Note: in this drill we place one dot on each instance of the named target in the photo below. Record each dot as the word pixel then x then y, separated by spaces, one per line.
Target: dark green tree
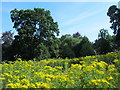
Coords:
pixel 53 47
pixel 103 34
pixel 104 43
pixel 67 46
pixel 84 48
pixel 7 39
pixel 114 14
pixel 34 28
pixel 42 52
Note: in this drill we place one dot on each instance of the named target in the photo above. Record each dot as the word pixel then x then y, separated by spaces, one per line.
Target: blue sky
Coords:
pixel 87 18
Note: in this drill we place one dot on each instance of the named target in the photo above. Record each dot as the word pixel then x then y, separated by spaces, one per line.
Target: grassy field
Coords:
pixel 101 71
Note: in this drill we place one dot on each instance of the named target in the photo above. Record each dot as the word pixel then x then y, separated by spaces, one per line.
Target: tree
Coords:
pixel 104 43
pixel 53 47
pixel 77 35
pixel 103 34
pixel 84 48
pixel 114 14
pixel 63 37
pixel 102 46
pixel 42 52
pixel 67 46
pixel 6 39
pixel 34 27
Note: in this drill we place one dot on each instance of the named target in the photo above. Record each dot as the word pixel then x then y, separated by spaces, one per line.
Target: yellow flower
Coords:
pixel 10 72
pixel 32 70
pixel 100 72
pixel 2 78
pixel 116 60
pixel 19 59
pixel 32 85
pixel 58 67
pixel 24 86
pixel 99 80
pixel 25 81
pixel 105 81
pixel 74 66
pixel 72 81
pixel 112 69
pixel 111 66
pixel 11 85
pixel 15 77
pixel 29 65
pixel 89 67
pixel 2 75
pixel 42 85
pixel 82 61
pixel 18 80
pixel 93 64
pixel 54 87
pixel 6 74
pixel 93 80
pixel 38 83
pixel 66 63
pixel 9 80
pixel 109 78
pixel 24 76
pixel 118 74
pixel 17 85
pixel 48 79
pixel 102 64
pixel 16 71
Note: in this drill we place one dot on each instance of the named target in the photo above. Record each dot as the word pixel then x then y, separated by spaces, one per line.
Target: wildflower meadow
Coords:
pixel 100 71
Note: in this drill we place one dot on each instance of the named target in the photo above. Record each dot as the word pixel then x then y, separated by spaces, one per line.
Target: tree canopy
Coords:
pixel 34 27
pixel 37 37
pixel 104 42
pixel 114 14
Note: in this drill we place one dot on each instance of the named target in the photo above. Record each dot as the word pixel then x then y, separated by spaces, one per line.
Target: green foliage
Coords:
pixel 41 52
pixel 34 27
pixel 67 52
pixel 104 44
pixel 92 72
pixel 53 47
pixel 103 34
pixel 67 46
pixel 7 39
pixel 114 14
pixel 84 48
pixel 37 33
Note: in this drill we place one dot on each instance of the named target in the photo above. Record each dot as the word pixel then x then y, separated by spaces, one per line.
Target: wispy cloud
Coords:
pixel 59 0
pixel 80 17
pixel 89 30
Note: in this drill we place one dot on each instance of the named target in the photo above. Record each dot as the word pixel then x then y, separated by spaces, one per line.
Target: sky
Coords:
pixel 87 18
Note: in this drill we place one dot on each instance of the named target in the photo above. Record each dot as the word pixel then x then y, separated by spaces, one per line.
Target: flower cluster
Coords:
pixel 84 72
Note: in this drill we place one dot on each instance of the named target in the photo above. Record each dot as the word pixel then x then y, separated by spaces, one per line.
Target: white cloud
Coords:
pixel 79 18
pixel 89 30
pixel 59 0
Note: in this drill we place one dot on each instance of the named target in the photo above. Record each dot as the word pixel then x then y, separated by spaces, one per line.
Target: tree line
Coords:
pixel 37 37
